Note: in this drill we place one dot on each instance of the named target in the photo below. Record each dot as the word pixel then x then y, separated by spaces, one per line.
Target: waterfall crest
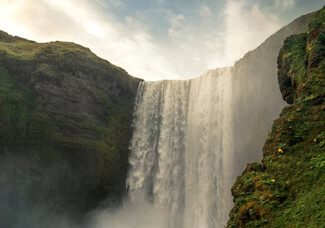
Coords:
pixel 192 138
pixel 182 150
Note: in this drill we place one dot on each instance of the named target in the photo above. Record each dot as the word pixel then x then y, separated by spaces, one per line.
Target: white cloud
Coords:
pixel 177 22
pixel 285 4
pixel 189 47
pixel 116 3
pixel 205 11
pixel 88 23
pixel 247 26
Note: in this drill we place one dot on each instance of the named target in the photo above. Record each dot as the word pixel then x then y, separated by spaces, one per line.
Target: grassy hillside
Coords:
pixel 65 124
pixel 287 189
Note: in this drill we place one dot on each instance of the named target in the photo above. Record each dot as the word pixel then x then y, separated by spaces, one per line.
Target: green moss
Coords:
pixel 294 56
pixel 21 49
pixel 306 211
pixel 59 156
pixel 289 190
pixel 318 21
pixel 16 104
pixel 288 186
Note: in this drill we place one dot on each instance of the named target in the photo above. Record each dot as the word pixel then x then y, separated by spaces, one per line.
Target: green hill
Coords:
pixel 65 125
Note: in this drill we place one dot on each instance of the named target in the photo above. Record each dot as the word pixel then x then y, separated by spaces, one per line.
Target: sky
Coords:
pixel 155 39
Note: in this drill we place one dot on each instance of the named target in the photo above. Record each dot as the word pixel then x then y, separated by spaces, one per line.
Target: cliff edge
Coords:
pixel 65 125
pixel 287 189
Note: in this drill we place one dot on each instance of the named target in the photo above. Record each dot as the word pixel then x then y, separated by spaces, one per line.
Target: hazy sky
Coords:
pixel 155 39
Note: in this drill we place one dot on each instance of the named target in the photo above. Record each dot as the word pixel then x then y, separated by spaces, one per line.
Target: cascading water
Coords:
pixel 182 150
pixel 192 138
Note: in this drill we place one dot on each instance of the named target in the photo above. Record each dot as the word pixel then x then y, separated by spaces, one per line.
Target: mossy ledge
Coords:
pixel 287 189
pixel 65 125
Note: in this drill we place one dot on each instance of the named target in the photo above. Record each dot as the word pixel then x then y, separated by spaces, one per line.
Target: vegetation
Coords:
pixel 288 188
pixel 65 125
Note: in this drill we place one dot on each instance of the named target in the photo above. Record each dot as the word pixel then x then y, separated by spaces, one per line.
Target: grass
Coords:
pixel 294 55
pixel 287 189
pixel 73 163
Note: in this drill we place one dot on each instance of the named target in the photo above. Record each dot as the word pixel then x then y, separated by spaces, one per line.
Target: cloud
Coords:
pixel 186 44
pixel 205 11
pixel 247 26
pixel 116 3
pixel 91 24
pixel 285 4
pixel 176 24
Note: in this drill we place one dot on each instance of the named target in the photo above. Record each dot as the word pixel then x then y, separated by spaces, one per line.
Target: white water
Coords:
pixel 184 159
pixel 182 149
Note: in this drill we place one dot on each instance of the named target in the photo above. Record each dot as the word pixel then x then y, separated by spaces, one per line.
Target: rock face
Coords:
pixel 257 100
pixel 65 125
pixel 292 54
pixel 287 189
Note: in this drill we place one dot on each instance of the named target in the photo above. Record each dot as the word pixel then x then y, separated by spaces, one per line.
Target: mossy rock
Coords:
pixel 65 125
pixel 287 189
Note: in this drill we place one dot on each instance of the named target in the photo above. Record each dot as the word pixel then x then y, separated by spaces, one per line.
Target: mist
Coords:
pixel 27 200
pixel 38 207
pixel 32 196
pixel 174 181
pixel 135 212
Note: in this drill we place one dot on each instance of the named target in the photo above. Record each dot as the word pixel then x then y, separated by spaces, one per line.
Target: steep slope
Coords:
pixel 65 125
pixel 287 189
pixel 256 98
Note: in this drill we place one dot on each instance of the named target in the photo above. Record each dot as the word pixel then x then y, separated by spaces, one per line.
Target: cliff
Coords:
pixel 257 100
pixel 287 189
pixel 65 125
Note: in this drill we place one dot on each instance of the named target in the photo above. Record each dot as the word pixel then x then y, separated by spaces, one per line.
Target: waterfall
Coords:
pixel 192 138
pixel 181 150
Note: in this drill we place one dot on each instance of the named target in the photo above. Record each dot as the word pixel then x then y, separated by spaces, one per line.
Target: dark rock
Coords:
pixel 65 125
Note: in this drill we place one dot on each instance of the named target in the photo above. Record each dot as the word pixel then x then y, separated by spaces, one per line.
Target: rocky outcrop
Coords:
pixel 257 100
pixel 287 188
pixel 292 66
pixel 65 125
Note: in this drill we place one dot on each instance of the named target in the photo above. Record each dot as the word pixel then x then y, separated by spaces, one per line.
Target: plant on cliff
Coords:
pixel 65 124
pixel 288 188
